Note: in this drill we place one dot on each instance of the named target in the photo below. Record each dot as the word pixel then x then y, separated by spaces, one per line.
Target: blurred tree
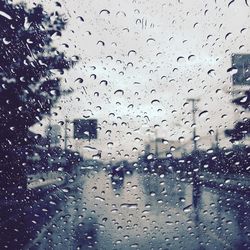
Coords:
pixel 241 128
pixel 29 82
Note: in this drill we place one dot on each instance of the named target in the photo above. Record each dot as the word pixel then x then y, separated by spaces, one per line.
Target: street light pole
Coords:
pixel 65 134
pixel 196 193
pixel 156 145
pixel 194 109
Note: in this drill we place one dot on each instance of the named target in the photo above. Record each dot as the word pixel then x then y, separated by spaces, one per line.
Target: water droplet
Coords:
pixel 187 209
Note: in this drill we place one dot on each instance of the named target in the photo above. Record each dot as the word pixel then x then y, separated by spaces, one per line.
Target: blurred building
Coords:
pixel 54 134
pixel 163 148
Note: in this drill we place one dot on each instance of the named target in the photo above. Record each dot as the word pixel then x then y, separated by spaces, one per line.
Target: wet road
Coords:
pixel 146 212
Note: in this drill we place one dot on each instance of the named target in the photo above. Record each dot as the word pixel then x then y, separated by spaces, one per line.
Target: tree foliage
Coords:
pixel 241 128
pixel 30 67
pixel 29 87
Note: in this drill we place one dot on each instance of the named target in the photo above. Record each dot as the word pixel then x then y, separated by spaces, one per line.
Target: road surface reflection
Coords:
pixel 146 212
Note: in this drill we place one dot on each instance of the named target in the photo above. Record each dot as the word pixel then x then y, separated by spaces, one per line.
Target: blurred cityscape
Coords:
pixel 177 194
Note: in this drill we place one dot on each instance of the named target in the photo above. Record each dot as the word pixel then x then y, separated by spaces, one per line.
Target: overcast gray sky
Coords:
pixel 159 54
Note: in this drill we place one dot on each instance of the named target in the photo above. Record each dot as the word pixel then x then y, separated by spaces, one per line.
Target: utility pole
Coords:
pixel 217 139
pixel 65 134
pixel 156 145
pixel 49 143
pixel 49 132
pixel 194 109
pixel 196 192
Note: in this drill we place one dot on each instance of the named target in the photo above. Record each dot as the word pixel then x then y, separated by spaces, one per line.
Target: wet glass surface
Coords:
pixel 124 124
pixel 148 212
pixel 145 212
